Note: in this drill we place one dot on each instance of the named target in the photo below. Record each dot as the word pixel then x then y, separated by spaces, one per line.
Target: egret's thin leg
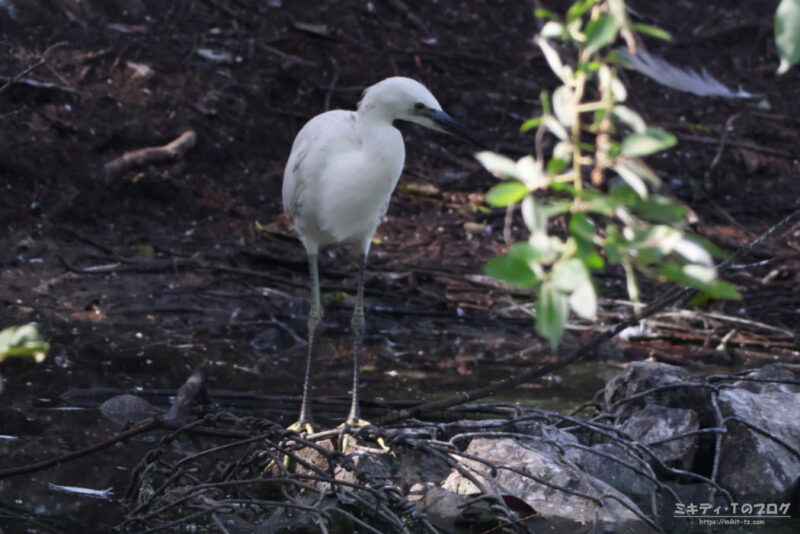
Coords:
pixel 314 320
pixel 357 325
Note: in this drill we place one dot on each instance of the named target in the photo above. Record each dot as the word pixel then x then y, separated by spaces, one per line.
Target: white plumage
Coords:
pixel 344 165
pixel 337 185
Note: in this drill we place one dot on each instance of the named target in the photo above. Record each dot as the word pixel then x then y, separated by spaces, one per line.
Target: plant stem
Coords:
pixel 580 85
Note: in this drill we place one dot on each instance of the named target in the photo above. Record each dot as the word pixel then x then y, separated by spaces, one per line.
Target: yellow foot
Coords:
pixel 358 423
pixel 301 427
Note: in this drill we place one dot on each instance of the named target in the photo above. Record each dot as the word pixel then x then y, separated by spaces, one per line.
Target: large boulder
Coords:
pixel 770 378
pixel 551 488
pixel 754 466
pixel 610 463
pixel 655 423
pixel 668 385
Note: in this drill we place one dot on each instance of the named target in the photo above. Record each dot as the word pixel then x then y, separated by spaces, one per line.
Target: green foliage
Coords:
pixel 22 341
pixel 600 32
pixel 513 267
pixel 506 193
pixel 787 33
pixel 650 141
pixel 598 182
pixel 652 31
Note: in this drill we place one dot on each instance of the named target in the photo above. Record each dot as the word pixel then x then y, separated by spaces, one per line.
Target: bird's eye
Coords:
pixel 419 106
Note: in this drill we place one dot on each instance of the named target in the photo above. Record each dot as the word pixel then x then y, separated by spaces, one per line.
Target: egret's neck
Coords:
pixel 374 121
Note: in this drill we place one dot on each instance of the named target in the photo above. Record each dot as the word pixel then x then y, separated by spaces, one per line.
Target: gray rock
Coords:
pixel 597 463
pixel 752 466
pixel 368 465
pixel 639 377
pixel 773 371
pixel 558 510
pixel 443 508
pixel 552 440
pixel 420 467
pixel 127 409
pixel 655 423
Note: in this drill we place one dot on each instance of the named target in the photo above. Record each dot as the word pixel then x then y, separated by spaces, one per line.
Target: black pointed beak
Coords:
pixel 452 126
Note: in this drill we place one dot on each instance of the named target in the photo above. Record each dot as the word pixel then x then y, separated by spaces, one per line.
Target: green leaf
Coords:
pixel 600 32
pixel 530 173
pixel 652 31
pixel 602 204
pixel 554 30
pixel 582 230
pixel 530 124
pixel 551 314
pixel 556 166
pixel 581 226
pixel 523 252
pixel 599 115
pixel 546 14
pixel 720 289
pixel 638 166
pixel 653 140
pixel 497 164
pixel 568 275
pixel 556 208
pixel 534 216
pixel 625 195
pixel 556 127
pixel 592 259
pixel 632 179
pixel 633 287
pixel 700 277
pixel 23 341
pixel 661 209
pixel 545 247
pixel 554 60
pixel 693 252
pixel 563 151
pixel 787 33
pixel 709 246
pixel 583 300
pixel 512 269
pixel 544 98
pixel 506 193
pixel 613 244
pixel 578 8
pixel 564 105
pixel 632 120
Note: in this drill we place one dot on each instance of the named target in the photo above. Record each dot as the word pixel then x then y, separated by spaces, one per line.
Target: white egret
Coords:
pixel 337 184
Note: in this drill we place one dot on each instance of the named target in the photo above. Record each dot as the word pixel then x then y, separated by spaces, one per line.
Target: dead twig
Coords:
pixel 14 79
pixel 50 462
pixel 287 60
pixel 738 144
pixel 726 133
pixel 146 156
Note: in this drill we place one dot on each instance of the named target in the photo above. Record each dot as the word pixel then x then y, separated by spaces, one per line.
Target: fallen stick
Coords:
pixel 146 156
pixel 16 78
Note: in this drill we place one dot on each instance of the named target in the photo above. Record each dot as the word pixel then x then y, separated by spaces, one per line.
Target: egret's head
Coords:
pixel 400 98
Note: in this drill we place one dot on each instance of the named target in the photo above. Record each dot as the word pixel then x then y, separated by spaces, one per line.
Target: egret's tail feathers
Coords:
pixel 681 79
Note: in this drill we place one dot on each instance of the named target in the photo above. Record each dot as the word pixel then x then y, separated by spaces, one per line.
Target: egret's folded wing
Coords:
pixel 320 139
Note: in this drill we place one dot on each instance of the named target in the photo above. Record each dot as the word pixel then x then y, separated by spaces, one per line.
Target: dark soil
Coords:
pixel 139 279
